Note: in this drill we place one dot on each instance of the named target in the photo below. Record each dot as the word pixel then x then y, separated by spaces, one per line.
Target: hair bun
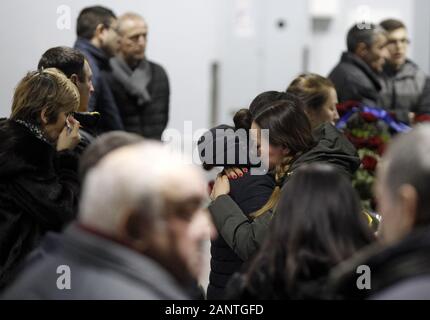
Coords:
pixel 242 119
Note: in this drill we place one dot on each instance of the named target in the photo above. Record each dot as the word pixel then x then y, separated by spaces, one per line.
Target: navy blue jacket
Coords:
pixel 102 99
pixel 251 192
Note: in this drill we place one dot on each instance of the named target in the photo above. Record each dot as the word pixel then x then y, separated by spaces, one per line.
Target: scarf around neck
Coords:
pixel 134 81
pixel 35 130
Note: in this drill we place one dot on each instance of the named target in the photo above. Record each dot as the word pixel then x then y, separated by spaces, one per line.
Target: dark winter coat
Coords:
pixel 400 271
pixel 88 131
pixel 149 119
pixel 405 90
pixel 250 193
pixel 38 192
pixel 355 80
pixel 100 269
pixel 102 99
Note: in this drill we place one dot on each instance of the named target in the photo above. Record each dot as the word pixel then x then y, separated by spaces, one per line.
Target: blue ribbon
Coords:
pixel 380 114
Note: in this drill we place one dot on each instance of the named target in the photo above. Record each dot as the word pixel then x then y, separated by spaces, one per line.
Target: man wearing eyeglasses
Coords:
pixel 140 87
pixel 405 87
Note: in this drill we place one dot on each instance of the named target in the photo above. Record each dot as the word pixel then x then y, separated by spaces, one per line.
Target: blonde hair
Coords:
pixel 48 89
pixel 280 172
pixel 312 89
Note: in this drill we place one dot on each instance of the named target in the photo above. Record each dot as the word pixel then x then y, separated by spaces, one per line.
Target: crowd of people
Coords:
pixel 87 186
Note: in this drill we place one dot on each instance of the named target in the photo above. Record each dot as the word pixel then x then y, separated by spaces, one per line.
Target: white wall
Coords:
pixel 180 38
pixel 421 40
pixel 187 36
pixel 265 57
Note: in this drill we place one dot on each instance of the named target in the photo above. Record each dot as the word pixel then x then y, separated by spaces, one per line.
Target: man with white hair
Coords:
pixel 398 268
pixel 139 228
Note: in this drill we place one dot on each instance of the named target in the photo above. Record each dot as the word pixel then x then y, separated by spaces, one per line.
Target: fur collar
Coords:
pixel 21 151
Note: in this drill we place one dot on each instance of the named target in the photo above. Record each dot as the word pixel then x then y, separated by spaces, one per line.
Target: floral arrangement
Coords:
pixel 369 130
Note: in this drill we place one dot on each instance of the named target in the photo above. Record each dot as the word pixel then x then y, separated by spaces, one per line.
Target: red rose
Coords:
pixel 375 142
pixel 369 163
pixel 368 117
pixel 357 142
pixel 422 118
pixel 345 106
pixel 381 149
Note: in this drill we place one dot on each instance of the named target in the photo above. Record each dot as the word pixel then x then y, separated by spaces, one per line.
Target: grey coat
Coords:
pixel 406 90
pixel 99 269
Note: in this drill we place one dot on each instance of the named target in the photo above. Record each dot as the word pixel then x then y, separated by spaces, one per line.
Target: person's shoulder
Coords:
pixel 412 65
pixel 250 181
pixel 412 69
pixel 346 71
pixel 157 67
pixel 13 133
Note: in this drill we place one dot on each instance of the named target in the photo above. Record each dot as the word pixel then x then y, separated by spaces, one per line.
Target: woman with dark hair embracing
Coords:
pixel 317 224
pixel 291 144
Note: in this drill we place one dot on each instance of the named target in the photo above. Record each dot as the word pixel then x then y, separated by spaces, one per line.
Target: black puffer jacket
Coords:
pixel 355 80
pixel 149 119
pixel 250 193
pixel 38 192
pixel 332 147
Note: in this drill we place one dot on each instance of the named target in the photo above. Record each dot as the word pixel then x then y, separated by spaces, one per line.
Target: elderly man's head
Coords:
pixel 146 197
pixel 133 32
pixel 368 42
pixel 403 185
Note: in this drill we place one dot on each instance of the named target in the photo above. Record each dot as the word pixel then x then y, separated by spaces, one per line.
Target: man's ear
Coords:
pixel 361 50
pixel 135 229
pixel 74 78
pixel 43 117
pixel 99 30
pixel 408 201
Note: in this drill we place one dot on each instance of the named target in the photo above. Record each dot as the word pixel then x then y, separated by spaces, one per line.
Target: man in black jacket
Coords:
pixel 140 87
pixel 356 75
pixel 98 41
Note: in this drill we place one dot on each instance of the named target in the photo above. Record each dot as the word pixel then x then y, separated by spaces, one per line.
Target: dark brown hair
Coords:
pixel 290 128
pixel 318 224
pixel 392 24
pixel 288 125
